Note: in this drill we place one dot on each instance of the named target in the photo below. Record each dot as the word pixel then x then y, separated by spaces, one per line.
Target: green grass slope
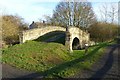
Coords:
pixel 37 56
pixel 51 59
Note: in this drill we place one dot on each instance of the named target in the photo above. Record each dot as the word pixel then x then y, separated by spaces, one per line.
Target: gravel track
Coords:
pixel 105 67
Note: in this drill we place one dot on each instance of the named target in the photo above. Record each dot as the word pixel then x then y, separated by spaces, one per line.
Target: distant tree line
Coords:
pixel 100 32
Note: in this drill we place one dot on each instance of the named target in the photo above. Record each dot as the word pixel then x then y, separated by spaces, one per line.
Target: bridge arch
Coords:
pixel 74 35
pixel 37 32
pixel 75 44
pixel 54 36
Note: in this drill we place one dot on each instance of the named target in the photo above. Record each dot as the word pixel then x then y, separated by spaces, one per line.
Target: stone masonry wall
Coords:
pixel 71 33
pixel 37 32
pixel 74 32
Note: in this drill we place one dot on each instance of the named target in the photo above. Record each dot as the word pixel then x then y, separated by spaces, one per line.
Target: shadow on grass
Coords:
pixel 61 67
pixel 101 72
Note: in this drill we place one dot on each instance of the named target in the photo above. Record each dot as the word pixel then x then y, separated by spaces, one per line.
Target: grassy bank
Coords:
pixel 78 62
pixel 36 56
pixel 51 59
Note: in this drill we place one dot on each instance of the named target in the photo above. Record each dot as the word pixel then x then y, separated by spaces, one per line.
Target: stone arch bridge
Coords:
pixel 74 36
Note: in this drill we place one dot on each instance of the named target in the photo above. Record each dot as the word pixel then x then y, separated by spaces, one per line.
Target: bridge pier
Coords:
pixel 21 37
pixel 68 41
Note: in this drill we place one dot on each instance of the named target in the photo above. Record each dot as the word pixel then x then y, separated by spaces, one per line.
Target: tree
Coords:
pixel 104 12
pixel 108 12
pixel 100 32
pixel 11 26
pixel 113 13
pixel 78 14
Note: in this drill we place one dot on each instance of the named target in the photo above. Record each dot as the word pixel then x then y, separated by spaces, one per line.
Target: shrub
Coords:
pixel 101 32
pixel 11 25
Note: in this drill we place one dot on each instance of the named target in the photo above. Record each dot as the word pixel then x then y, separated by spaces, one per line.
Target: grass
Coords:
pixel 36 56
pixel 78 62
pixel 51 59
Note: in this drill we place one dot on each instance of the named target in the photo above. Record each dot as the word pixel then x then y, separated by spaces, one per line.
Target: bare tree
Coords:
pixel 108 12
pixel 104 12
pixel 112 13
pixel 78 14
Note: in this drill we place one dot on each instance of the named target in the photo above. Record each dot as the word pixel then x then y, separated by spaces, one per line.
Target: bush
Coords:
pixel 11 25
pixel 101 32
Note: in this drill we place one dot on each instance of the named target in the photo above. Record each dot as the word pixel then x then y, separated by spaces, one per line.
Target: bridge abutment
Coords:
pixel 68 41
pixel 21 37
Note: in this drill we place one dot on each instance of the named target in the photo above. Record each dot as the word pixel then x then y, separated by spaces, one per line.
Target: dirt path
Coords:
pixel 106 67
pixel 12 72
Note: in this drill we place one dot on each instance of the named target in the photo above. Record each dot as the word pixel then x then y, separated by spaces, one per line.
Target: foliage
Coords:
pixel 37 56
pixel 101 32
pixel 51 59
pixel 119 30
pixel 11 25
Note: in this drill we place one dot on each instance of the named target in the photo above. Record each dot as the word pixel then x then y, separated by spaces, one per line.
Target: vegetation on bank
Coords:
pixel 10 26
pixel 51 59
pixel 35 55
pixel 101 32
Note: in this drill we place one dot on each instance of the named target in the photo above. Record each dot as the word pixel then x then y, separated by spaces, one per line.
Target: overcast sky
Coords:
pixel 33 10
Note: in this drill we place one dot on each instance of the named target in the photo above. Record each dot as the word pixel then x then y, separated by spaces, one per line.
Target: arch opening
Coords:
pixel 75 44
pixel 54 36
